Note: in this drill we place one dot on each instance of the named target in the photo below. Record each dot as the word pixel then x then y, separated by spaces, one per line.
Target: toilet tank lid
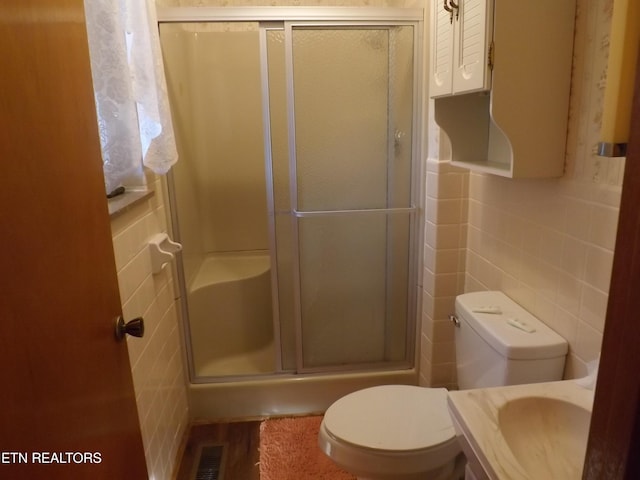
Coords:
pixel 500 330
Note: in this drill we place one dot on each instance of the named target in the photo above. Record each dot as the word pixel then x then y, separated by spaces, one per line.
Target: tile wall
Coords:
pixel 156 359
pixel 547 243
pixel 444 260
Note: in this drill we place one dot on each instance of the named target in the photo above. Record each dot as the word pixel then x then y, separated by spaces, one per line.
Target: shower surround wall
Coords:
pixel 547 243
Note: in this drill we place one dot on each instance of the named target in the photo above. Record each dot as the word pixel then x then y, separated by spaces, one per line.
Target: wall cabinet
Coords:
pixel 500 75
pixel 461 34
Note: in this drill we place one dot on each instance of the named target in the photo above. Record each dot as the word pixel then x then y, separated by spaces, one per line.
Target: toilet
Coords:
pixel 404 432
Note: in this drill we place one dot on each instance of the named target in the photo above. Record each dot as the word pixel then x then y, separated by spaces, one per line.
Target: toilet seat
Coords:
pixel 397 426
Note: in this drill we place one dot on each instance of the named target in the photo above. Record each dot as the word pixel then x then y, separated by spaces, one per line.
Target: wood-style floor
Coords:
pixel 241 452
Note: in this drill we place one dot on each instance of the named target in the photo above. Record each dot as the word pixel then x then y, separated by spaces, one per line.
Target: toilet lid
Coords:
pixel 392 417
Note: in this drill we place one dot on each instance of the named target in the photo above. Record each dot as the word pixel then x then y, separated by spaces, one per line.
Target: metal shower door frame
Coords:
pixel 277 17
pixel 414 209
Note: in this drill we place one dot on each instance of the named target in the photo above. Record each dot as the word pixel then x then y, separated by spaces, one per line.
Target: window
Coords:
pixel 134 120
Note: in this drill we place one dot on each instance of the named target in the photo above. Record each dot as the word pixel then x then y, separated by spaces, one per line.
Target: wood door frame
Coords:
pixel 614 437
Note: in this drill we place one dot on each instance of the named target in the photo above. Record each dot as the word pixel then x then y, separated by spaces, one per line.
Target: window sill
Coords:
pixel 120 204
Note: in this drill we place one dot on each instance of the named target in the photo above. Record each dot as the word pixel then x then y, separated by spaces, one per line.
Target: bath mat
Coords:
pixel 289 451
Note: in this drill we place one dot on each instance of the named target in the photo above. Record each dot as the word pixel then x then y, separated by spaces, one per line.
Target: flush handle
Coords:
pixel 134 327
pixel 454 320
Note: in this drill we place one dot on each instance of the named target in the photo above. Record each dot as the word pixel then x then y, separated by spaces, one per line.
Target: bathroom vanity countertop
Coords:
pixel 525 432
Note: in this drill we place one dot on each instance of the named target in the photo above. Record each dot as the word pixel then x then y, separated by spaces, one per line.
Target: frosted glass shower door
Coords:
pixel 350 167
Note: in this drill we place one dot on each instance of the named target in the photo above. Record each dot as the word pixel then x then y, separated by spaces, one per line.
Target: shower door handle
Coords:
pixel 134 327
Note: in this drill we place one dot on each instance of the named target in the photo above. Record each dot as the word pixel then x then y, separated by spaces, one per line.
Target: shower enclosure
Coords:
pixel 297 192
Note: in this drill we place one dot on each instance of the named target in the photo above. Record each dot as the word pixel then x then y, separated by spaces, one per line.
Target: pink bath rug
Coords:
pixel 289 451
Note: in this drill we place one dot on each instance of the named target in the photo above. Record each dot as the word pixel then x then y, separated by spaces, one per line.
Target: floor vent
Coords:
pixel 210 464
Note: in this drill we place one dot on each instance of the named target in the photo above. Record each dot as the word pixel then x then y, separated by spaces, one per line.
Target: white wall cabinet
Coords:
pixel 461 38
pixel 508 118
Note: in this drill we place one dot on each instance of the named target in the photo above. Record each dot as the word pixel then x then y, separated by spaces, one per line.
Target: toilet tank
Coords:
pixel 499 343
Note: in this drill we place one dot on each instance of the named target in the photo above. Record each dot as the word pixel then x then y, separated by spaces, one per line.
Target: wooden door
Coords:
pixel 67 407
pixel 613 452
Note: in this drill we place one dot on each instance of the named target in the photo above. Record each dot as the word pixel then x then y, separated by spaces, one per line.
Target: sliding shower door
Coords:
pixel 340 136
pixel 296 191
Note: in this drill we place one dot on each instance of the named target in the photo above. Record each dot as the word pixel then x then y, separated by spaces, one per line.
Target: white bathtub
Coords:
pixel 230 317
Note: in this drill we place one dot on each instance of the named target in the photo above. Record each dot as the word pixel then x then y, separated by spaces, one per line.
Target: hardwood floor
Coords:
pixel 241 439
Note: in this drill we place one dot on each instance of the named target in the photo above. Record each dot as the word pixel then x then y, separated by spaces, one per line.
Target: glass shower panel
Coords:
pixel 219 196
pixel 351 87
pixel 349 313
pixel 399 292
pixel 400 111
pixel 353 122
pixel 297 148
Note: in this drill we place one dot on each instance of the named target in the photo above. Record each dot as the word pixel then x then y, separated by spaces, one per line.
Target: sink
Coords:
pixel 547 436
pixel 523 432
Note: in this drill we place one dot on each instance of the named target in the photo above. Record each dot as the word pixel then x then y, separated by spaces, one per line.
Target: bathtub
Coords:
pixel 230 317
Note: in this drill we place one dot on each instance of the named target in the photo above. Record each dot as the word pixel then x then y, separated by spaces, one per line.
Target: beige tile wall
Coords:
pixel 444 260
pixel 156 359
pixel 547 243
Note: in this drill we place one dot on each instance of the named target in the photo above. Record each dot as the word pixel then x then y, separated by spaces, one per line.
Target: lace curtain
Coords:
pixel 130 89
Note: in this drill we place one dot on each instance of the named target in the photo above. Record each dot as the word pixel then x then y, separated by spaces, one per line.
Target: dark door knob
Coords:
pixel 133 327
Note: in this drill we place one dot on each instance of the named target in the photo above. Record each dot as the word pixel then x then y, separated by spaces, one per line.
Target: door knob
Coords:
pixel 133 327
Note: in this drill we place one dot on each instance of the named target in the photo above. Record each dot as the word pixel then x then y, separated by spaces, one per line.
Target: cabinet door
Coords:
pixel 471 46
pixel 442 25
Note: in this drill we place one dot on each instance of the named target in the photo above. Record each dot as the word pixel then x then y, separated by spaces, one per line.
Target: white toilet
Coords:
pixel 402 432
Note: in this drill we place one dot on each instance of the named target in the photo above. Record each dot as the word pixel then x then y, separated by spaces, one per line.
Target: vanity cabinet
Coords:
pixel 500 75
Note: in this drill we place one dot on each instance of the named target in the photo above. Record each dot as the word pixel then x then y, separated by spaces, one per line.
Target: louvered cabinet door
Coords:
pixel 461 34
pixel 472 42
pixel 442 27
